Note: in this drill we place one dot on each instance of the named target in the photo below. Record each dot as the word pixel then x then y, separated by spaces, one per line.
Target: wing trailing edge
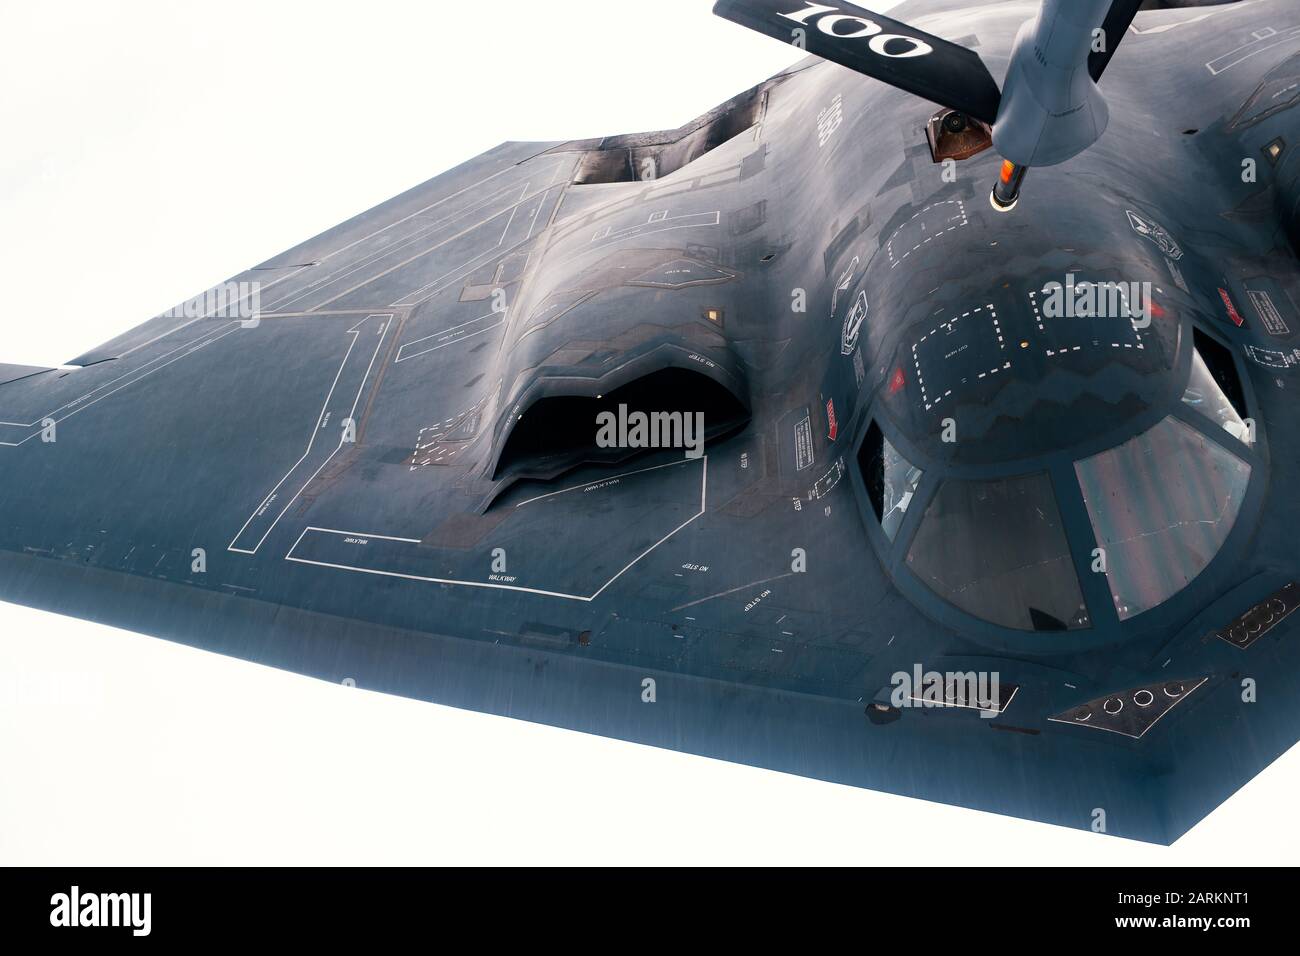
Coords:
pixel 1120 18
pixel 888 50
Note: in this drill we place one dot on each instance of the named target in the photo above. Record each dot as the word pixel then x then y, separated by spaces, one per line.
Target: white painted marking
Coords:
pixel 357 265
pixel 600 481
pixel 1255 47
pixel 403 357
pixel 356 334
pixel 188 349
pixel 958 221
pixel 704 485
pixel 916 358
pixel 1166 27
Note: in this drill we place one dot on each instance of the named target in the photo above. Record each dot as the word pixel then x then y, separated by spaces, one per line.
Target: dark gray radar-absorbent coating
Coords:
pixel 766 438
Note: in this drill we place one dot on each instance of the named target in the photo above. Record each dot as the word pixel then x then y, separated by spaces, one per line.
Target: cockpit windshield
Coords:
pixel 1161 505
pixel 997 550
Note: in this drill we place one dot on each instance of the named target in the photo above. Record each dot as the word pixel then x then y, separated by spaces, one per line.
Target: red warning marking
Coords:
pixel 830 417
pixel 1233 314
pixel 898 381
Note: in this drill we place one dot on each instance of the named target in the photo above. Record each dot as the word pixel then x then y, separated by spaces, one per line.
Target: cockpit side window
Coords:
pixel 890 478
pixel 1214 389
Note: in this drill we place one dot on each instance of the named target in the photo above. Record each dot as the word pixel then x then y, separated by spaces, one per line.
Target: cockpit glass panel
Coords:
pixel 997 550
pixel 1161 506
pixel 1206 396
pixel 890 478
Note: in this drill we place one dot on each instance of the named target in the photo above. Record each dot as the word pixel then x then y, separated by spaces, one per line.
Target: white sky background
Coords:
pixel 152 149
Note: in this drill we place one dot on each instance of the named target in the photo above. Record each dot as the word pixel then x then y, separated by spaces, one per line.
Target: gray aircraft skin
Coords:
pixel 391 475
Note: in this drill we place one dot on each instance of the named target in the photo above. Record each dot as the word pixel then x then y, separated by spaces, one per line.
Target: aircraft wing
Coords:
pixel 929 66
pixel 1121 16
